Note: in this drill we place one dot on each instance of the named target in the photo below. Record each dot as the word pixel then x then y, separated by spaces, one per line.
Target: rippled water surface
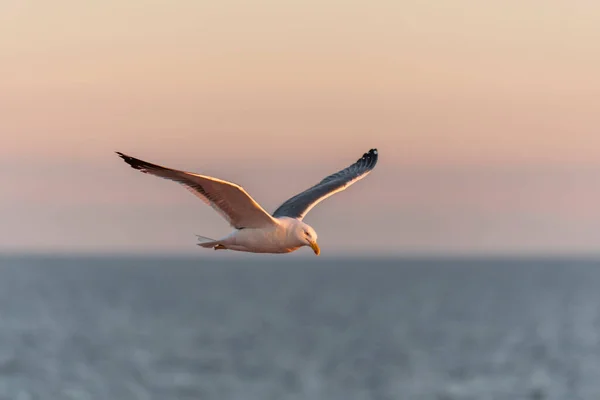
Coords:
pixel 133 328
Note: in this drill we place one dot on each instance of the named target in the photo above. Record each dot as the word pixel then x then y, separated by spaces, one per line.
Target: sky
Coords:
pixel 485 115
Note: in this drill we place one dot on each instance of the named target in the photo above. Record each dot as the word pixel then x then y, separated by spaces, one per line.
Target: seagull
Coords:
pixel 255 230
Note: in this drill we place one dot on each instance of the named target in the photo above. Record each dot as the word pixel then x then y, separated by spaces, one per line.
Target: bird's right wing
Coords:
pixel 302 203
pixel 231 201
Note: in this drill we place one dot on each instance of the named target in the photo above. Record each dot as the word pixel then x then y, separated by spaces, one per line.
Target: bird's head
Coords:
pixel 307 236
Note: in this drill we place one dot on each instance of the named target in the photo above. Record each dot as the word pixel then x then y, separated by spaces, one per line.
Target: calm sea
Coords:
pixel 289 328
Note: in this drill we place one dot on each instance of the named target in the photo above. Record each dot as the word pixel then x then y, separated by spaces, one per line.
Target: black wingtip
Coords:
pixel 369 159
pixel 123 156
pixel 371 153
pixel 133 162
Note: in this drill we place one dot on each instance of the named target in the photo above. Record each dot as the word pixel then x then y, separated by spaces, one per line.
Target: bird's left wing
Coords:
pixel 228 199
pixel 299 205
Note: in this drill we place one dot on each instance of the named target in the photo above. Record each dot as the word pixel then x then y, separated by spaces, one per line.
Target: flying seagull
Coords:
pixel 255 230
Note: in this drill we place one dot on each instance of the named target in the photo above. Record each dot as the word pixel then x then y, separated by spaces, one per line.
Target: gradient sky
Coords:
pixel 485 114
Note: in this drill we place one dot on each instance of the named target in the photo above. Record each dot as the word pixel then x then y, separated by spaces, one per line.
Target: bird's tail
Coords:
pixel 207 243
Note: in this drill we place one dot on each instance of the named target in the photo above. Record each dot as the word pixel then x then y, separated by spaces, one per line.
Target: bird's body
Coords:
pixel 255 230
pixel 278 238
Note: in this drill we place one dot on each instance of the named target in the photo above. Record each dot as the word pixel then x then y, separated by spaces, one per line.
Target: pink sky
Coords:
pixel 486 117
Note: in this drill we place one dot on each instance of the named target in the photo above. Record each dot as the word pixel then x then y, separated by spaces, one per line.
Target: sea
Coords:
pixel 128 327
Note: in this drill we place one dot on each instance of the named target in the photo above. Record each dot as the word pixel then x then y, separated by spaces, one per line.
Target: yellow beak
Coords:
pixel 315 247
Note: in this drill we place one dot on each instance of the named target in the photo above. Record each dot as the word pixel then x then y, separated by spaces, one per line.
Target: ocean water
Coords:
pixel 290 328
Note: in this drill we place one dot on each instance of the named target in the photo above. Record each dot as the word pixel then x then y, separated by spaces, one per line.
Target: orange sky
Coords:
pixel 485 115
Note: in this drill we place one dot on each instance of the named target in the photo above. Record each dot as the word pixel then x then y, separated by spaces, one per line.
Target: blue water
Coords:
pixel 133 328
